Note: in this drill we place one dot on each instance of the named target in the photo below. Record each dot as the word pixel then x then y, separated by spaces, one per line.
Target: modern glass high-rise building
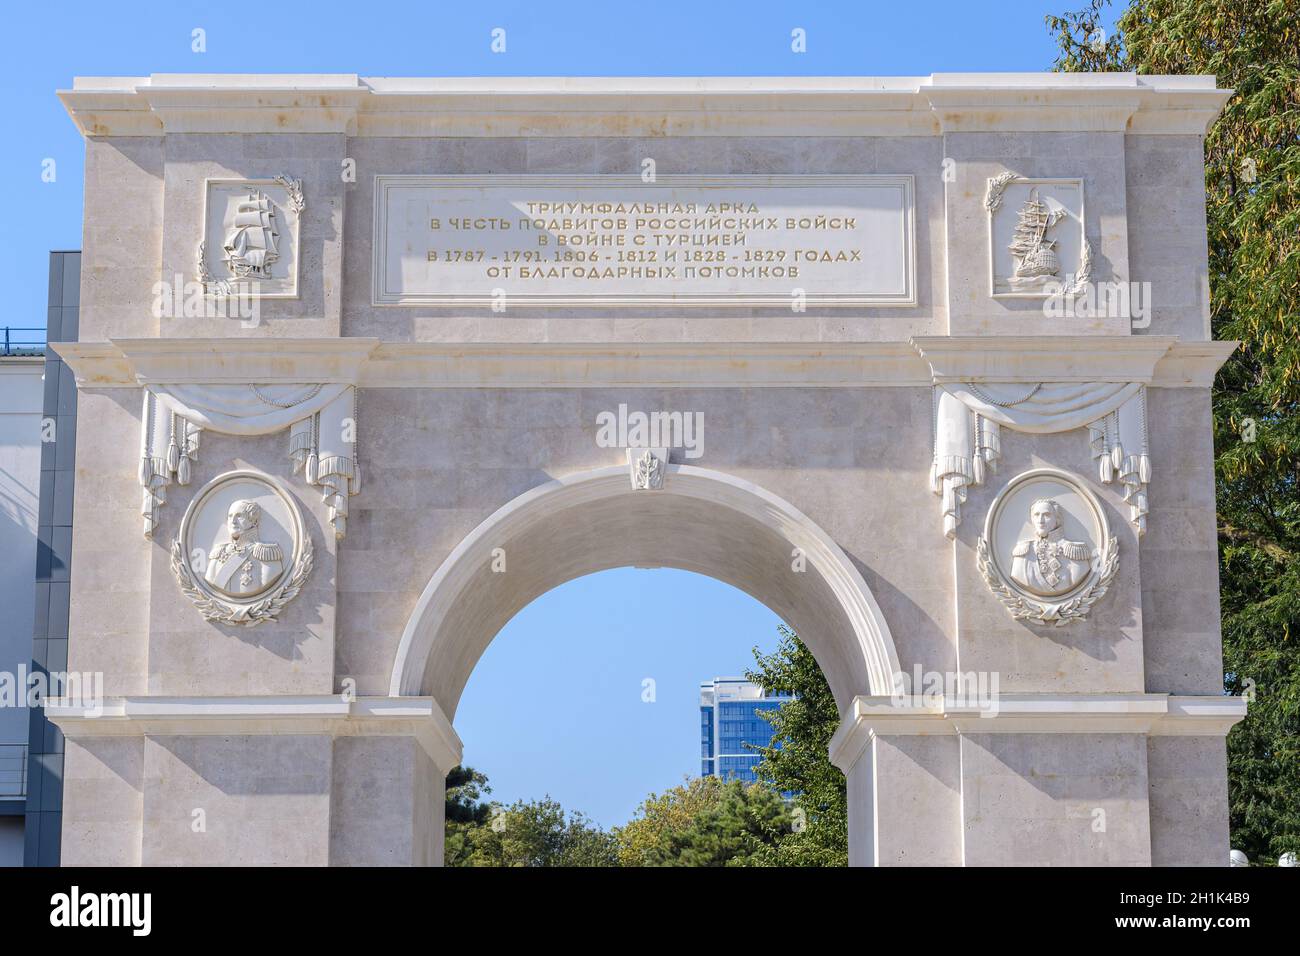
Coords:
pixel 729 719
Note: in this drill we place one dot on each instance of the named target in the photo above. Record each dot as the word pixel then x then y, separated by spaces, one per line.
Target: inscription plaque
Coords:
pixel 610 240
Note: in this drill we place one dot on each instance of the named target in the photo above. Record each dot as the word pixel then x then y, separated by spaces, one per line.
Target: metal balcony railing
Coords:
pixel 24 341
pixel 13 770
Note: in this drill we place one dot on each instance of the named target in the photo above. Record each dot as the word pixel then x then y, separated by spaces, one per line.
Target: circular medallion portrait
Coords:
pixel 242 551
pixel 1047 551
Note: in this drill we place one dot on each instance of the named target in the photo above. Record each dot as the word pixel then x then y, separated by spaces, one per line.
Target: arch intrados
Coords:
pixel 701 520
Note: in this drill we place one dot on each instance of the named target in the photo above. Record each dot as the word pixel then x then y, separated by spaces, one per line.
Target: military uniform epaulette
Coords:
pixel 267 552
pixel 1070 550
pixel 1075 550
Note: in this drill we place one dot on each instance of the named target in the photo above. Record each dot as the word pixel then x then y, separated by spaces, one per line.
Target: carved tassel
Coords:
pixel 173 450
pixel 183 470
pixel 978 469
pixel 1117 455
pixel 993 445
pixel 146 439
pixel 1144 469
pixel 1107 470
pixel 934 477
pixel 312 469
pixel 356 477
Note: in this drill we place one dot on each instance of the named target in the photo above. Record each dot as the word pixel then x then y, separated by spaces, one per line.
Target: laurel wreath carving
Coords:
pixel 997 185
pixel 1037 612
pixel 1084 275
pixel 297 202
pixel 220 611
pixel 210 283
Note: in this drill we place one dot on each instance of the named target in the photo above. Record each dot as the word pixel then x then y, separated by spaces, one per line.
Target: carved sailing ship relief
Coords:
pixel 1033 252
pixel 252 245
pixel 1037 243
pixel 251 237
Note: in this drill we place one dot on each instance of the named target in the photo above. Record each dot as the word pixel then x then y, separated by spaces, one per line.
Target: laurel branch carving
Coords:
pixel 211 284
pixel 220 611
pixel 1084 275
pixel 1038 612
pixel 297 202
pixel 997 185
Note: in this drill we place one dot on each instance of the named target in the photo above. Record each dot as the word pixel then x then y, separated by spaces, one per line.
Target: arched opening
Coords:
pixel 603 691
pixel 701 520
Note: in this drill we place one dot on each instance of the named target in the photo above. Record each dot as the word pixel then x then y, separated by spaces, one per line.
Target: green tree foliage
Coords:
pixel 797 760
pixel 1252 181
pixel 664 816
pixel 465 786
pixel 704 822
pixel 1084 45
pixel 530 833
pixel 464 811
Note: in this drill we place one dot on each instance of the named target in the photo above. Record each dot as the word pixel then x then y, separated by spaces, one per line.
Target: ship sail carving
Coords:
pixel 252 246
pixel 1035 255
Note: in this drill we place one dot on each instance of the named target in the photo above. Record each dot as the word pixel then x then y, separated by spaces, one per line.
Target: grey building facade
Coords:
pixel 44 809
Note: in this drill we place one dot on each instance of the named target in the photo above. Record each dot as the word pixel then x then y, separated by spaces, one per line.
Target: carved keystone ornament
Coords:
pixel 242 552
pixel 1047 552
pixel 646 468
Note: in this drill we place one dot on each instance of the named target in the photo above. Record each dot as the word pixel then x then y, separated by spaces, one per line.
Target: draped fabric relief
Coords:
pixel 968 422
pixel 321 420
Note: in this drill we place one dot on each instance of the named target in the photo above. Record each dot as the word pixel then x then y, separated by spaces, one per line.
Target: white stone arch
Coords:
pixel 701 520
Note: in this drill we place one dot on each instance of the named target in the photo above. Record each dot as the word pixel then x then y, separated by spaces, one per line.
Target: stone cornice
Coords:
pixel 1159 361
pixel 684 365
pixel 1157 715
pixel 334 715
pixel 131 362
pixel 642 106
pixel 1192 364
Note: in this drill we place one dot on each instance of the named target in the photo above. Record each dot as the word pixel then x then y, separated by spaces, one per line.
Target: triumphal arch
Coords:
pixel 368 364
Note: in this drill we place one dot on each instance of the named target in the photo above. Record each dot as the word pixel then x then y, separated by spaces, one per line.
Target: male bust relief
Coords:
pixel 1047 564
pixel 244 566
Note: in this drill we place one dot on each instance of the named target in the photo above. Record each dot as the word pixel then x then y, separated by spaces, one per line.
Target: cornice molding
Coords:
pixel 1066 358
pixel 1192 364
pixel 669 365
pixel 1160 361
pixel 133 362
pixel 1155 715
pixel 333 715
pixel 642 106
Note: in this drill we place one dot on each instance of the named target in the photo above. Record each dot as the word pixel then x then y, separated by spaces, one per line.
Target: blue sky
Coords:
pixel 555 706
